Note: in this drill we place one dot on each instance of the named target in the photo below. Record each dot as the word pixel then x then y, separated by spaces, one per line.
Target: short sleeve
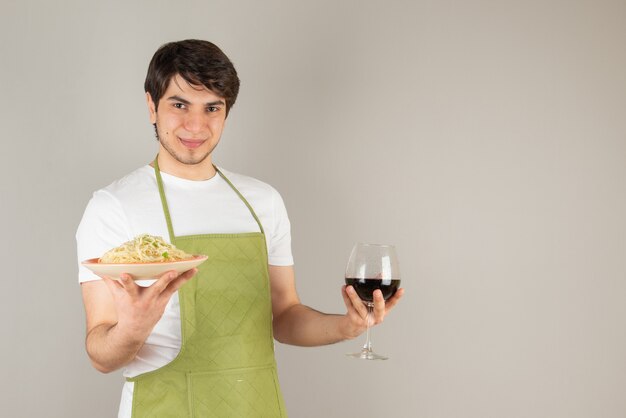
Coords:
pixel 102 227
pixel 279 251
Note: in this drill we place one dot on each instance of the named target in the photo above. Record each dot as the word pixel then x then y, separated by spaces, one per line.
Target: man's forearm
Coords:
pixel 304 326
pixel 110 347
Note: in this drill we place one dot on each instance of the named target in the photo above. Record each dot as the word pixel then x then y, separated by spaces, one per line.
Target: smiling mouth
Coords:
pixel 191 143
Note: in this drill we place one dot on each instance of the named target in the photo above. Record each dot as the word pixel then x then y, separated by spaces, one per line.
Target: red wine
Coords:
pixel 365 287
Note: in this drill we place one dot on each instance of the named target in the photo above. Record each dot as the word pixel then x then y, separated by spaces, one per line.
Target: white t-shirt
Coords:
pixel 132 206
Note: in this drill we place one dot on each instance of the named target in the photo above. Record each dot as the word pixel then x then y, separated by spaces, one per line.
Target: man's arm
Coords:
pixel 297 324
pixel 121 315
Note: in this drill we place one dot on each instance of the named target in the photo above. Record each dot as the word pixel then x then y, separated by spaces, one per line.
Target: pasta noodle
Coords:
pixel 144 248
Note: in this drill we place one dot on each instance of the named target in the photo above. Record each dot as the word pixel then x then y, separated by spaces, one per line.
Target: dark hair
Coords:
pixel 200 63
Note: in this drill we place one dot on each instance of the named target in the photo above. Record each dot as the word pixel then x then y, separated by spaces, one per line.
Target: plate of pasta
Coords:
pixel 144 257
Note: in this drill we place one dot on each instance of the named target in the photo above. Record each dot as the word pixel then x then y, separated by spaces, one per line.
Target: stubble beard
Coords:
pixel 191 160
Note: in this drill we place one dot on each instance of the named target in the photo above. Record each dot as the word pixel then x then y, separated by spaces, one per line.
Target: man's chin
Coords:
pixel 187 157
pixel 192 161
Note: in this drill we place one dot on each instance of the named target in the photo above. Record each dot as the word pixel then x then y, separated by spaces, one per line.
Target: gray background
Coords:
pixel 486 139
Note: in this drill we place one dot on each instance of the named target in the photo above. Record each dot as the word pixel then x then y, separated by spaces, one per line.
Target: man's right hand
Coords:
pixel 121 315
pixel 140 308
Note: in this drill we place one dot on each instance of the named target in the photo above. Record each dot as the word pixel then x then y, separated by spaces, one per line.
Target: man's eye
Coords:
pixel 213 109
pixel 179 105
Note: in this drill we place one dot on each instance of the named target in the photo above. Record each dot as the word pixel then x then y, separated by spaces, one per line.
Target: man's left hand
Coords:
pixel 355 320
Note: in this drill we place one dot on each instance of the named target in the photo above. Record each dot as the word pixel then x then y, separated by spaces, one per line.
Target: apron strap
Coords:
pixel 166 210
pixel 242 198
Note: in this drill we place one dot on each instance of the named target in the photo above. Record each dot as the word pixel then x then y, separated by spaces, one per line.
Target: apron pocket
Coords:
pixel 236 393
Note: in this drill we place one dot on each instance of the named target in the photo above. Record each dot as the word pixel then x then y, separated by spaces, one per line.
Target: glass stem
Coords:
pixel 368 343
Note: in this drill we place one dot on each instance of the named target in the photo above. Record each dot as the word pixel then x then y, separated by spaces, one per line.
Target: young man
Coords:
pixel 200 343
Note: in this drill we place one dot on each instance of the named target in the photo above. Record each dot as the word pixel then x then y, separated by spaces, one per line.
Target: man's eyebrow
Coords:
pixel 176 98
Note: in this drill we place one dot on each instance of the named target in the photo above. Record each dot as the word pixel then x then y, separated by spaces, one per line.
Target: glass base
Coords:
pixel 367 355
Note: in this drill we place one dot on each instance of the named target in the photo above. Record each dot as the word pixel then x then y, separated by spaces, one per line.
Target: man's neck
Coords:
pixel 197 172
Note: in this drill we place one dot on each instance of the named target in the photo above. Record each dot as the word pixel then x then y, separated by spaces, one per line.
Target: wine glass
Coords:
pixel 371 267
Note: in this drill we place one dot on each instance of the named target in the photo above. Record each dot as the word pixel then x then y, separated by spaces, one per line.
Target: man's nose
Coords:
pixel 195 121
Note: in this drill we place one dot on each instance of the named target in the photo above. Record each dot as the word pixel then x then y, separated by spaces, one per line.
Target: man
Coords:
pixel 199 343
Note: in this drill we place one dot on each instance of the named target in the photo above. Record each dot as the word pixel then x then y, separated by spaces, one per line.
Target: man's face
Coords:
pixel 189 121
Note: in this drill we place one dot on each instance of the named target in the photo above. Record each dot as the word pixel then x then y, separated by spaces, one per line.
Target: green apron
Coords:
pixel 226 366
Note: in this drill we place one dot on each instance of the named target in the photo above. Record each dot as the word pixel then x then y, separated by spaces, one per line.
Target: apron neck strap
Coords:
pixel 243 199
pixel 166 210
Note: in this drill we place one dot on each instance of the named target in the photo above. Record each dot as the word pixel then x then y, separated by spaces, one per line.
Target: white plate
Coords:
pixel 142 270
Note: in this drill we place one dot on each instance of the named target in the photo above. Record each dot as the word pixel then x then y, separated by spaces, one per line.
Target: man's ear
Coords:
pixel 151 108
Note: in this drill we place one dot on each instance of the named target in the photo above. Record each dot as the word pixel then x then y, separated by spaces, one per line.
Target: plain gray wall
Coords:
pixel 486 139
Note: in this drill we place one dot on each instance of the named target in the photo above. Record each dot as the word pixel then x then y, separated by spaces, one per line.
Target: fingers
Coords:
pixel 113 285
pixel 163 288
pixel 353 301
pixel 176 284
pixel 189 273
pixel 129 285
pixel 379 306
pixel 162 282
pixel 125 284
pixel 391 302
pixel 346 298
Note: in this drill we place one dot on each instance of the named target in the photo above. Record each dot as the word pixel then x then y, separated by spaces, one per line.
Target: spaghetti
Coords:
pixel 144 248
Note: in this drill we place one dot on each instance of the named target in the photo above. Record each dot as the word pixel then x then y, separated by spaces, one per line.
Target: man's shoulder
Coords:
pixel 127 189
pixel 245 183
pixel 131 183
